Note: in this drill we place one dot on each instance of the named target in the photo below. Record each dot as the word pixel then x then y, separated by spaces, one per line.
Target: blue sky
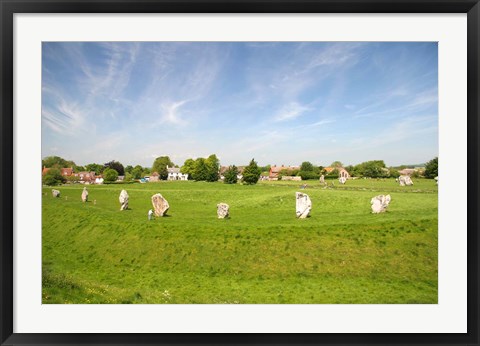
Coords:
pixel 277 102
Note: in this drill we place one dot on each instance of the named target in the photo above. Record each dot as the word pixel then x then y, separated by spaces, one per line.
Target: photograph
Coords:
pixel 253 172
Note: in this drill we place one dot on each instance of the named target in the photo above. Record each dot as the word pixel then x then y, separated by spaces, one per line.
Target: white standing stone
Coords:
pixel 160 205
pixel 123 199
pixel 223 210
pixel 380 203
pixel 322 179
pixel 55 193
pixel 150 214
pixel 405 180
pixel 342 180
pixel 303 205
pixel 84 195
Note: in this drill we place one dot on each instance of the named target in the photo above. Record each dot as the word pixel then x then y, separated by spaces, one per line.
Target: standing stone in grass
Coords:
pixel 123 200
pixel 405 180
pixel 160 205
pixel 55 193
pixel 380 203
pixel 342 180
pixel 84 195
pixel 303 205
pixel 322 179
pixel 150 214
pixel 223 210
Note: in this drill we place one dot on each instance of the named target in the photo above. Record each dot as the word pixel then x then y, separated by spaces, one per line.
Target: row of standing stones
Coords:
pixel 159 203
pixel 303 204
pixel 403 180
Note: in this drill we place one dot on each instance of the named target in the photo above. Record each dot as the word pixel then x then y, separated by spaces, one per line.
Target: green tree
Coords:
pixel 137 172
pixel 116 166
pixel 55 161
pixel 431 168
pixel 308 171
pixel 289 172
pixel 306 167
pixel 188 168
pixel 160 166
pixel 110 175
pixel 73 165
pixel 308 175
pixel 334 174
pixel 336 164
pixel 417 174
pixel 393 173
pixel 266 168
pixel 53 177
pixel 372 169
pixel 351 170
pixel 129 169
pixel 230 175
pixel 251 173
pixel 213 166
pixel 94 167
pixel 201 169
pixel 72 179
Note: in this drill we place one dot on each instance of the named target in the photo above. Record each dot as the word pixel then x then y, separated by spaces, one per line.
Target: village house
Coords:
pixel 153 177
pixel 175 174
pixel 276 170
pixel 86 177
pixel 223 169
pixel 342 172
pixel 81 177
pixel 407 171
pixel 66 172
pixel 410 171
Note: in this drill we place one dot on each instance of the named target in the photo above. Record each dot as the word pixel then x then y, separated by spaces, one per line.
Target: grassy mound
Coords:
pixel 95 253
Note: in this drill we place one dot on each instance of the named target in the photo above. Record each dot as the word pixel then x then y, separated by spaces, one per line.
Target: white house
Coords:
pixel 175 174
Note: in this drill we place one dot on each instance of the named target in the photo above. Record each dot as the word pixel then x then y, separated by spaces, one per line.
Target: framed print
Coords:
pixel 239 172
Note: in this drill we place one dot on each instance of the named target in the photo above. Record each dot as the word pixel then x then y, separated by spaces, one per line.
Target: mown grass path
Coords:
pixel 95 253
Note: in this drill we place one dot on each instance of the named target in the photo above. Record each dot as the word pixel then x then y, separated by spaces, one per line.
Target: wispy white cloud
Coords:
pixel 306 65
pixel 110 77
pixel 260 142
pixel 396 143
pixel 67 118
pixel 336 54
pixel 291 111
pixel 171 114
pixel 321 123
pixel 413 104
pixel 401 131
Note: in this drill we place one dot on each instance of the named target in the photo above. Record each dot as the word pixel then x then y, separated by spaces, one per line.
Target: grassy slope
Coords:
pixel 262 254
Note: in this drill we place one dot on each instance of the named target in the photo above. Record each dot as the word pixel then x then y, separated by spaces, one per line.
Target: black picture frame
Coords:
pixel 7 10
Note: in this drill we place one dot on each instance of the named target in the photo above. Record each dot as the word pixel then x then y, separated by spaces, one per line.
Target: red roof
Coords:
pixel 67 171
pixel 330 169
pixel 63 171
pixel 278 169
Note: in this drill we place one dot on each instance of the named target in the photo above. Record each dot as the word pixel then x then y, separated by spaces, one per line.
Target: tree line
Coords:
pixel 208 169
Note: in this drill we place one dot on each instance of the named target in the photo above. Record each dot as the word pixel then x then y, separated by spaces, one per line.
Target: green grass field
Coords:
pixel 95 253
